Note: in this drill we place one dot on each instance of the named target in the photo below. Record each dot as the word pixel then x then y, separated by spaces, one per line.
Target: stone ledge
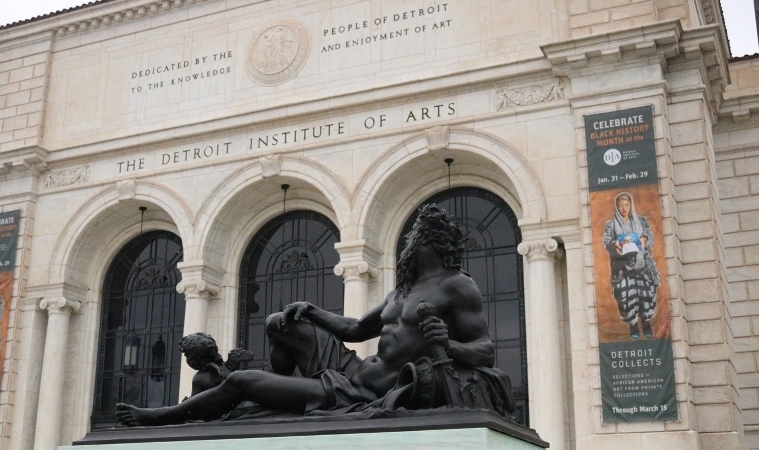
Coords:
pixel 315 425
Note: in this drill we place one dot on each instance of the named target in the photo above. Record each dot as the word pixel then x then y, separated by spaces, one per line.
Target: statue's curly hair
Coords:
pixel 200 350
pixel 435 227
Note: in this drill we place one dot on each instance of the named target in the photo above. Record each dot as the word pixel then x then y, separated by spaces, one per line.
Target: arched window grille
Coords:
pixel 141 324
pixel 290 259
pixel 492 260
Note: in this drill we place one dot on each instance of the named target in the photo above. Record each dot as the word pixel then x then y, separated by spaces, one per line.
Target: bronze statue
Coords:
pixel 434 349
pixel 202 354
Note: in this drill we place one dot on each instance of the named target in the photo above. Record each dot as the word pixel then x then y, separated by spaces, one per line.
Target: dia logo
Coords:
pixel 612 157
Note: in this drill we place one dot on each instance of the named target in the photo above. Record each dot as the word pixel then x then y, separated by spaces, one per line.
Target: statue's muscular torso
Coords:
pixel 401 340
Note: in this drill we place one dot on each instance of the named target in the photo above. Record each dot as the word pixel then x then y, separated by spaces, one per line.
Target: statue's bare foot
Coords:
pixel 133 416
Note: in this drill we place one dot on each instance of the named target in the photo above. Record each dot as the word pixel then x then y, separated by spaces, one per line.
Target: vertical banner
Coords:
pixel 634 335
pixel 8 241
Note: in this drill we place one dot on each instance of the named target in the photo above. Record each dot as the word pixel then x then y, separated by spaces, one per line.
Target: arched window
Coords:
pixel 289 260
pixel 492 260
pixel 140 326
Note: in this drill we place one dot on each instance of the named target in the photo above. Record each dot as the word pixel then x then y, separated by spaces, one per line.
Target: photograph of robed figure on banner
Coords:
pixel 628 249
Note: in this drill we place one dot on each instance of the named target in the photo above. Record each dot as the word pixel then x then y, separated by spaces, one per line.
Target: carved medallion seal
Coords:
pixel 277 52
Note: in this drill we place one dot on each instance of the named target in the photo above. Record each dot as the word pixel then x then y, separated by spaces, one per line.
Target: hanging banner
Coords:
pixel 632 302
pixel 9 222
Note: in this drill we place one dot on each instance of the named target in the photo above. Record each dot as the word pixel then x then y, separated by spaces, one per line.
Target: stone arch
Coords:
pixel 106 221
pixel 384 199
pixel 248 198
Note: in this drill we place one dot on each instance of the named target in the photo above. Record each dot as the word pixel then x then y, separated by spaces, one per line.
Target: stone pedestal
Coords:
pixel 468 439
pixel 438 429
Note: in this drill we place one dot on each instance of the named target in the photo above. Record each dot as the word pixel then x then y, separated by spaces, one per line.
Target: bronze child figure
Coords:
pixel 203 355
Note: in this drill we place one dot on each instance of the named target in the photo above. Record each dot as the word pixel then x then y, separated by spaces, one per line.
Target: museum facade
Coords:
pixel 174 166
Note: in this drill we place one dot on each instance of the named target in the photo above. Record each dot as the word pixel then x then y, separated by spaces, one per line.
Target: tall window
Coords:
pixel 141 324
pixel 491 258
pixel 290 260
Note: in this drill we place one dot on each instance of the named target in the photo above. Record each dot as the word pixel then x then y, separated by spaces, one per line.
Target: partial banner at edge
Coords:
pixel 9 229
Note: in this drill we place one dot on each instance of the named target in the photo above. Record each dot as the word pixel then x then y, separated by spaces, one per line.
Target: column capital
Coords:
pixel 47 297
pixel 356 270
pixel 200 279
pixel 198 288
pixel 544 249
pixel 59 305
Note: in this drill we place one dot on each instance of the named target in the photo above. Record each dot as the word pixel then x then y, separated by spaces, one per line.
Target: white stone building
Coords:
pixel 200 110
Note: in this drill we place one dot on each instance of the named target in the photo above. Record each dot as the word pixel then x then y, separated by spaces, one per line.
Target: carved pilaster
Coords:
pixel 356 271
pixel 537 250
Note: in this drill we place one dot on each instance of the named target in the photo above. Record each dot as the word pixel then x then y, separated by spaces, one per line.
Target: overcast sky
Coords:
pixel 739 17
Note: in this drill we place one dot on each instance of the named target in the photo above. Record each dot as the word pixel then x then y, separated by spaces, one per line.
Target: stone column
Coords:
pixel 197 294
pixel 544 358
pixel 358 267
pixel 356 276
pixel 50 405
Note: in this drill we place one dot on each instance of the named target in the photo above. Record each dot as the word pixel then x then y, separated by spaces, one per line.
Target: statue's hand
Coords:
pixel 294 312
pixel 435 331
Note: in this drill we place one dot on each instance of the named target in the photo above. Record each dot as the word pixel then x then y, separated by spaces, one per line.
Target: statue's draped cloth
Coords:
pixel 419 386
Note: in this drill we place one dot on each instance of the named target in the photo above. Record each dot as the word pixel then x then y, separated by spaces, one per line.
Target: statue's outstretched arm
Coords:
pixel 347 329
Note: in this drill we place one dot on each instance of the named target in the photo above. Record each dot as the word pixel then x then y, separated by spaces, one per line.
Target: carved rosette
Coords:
pixel 358 271
pixel 277 51
pixel 539 250
pixel 198 289
pixel 59 305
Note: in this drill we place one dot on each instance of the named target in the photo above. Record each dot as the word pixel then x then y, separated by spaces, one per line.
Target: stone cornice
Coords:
pixel 664 43
pixel 705 46
pixel 632 43
pixel 22 160
pixel 92 17
pixel 738 110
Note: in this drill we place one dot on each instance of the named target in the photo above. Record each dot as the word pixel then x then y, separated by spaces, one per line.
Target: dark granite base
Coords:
pixel 439 419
